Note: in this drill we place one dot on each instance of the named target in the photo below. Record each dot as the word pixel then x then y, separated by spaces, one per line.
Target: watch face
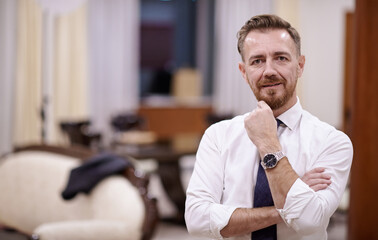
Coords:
pixel 270 161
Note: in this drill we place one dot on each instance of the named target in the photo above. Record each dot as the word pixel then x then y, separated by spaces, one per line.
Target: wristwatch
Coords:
pixel 270 160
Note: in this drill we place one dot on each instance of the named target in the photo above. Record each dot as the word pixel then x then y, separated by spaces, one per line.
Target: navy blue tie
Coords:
pixel 263 198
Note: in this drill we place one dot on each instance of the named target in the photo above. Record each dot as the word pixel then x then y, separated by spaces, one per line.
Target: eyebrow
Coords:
pixel 255 57
pixel 281 53
pixel 278 53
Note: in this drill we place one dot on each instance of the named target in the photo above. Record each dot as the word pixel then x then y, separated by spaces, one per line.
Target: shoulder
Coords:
pixel 322 131
pixel 225 130
pixel 227 126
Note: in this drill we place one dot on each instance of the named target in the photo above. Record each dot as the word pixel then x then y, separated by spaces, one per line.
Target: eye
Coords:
pixel 282 58
pixel 256 62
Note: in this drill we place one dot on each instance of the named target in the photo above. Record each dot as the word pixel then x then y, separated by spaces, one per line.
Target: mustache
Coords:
pixel 270 80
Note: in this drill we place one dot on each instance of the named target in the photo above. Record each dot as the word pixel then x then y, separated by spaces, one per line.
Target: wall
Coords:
pixel 7 74
pixel 321 25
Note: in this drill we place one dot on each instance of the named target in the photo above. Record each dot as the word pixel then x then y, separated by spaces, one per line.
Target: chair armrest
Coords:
pixel 87 230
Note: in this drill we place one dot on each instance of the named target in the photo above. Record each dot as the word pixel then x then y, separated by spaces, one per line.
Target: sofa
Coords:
pixel 32 179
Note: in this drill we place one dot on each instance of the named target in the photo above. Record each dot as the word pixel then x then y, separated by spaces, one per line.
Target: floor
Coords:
pixel 165 231
pixel 337 230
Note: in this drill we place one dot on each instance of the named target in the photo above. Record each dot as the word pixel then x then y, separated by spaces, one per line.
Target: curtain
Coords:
pixel 231 92
pixel 70 94
pixel 51 72
pixel 27 98
pixel 114 60
pixel 8 28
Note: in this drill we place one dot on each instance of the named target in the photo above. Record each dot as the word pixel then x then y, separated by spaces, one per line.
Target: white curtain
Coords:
pixel 7 74
pixel 28 82
pixel 51 65
pixel 114 61
pixel 69 89
pixel 231 92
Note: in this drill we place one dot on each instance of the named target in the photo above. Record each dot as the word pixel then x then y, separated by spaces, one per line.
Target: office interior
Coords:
pixel 130 73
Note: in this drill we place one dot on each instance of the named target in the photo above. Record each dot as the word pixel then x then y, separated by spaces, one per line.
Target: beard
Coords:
pixel 272 97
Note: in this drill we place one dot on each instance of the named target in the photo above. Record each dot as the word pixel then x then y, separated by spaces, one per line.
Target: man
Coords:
pixel 305 162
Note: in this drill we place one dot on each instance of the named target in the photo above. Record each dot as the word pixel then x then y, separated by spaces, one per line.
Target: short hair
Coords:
pixel 267 22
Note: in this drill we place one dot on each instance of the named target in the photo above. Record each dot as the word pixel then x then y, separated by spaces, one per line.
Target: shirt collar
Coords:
pixel 292 116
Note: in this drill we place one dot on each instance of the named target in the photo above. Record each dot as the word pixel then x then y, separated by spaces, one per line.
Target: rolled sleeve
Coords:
pixel 219 217
pixel 298 198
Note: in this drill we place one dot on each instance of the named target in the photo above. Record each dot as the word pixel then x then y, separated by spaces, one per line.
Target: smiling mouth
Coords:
pixel 271 85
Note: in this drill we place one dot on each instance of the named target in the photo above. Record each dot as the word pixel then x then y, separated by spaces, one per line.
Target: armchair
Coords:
pixel 32 179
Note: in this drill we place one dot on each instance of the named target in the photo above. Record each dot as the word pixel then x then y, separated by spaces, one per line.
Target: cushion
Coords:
pixel 32 182
pixel 87 230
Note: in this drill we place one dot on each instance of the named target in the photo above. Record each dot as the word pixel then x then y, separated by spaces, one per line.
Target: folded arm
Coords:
pixel 246 220
pixel 300 203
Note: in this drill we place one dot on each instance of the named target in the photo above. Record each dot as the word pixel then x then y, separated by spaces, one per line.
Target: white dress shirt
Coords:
pixel 225 173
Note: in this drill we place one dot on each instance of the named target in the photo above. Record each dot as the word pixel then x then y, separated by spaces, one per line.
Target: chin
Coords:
pixel 275 99
pixel 274 102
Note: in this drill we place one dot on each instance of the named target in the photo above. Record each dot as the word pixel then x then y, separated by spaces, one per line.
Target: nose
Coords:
pixel 269 70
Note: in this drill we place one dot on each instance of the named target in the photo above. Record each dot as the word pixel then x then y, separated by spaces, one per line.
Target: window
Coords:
pixel 169 41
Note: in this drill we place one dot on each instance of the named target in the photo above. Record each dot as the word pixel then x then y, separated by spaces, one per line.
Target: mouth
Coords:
pixel 271 85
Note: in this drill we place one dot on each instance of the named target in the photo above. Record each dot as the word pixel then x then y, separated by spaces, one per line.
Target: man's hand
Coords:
pixel 261 127
pixel 317 179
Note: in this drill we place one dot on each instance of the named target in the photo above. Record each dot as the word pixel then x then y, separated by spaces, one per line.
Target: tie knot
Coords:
pixel 278 122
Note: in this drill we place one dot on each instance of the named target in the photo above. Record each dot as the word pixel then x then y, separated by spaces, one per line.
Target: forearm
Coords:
pixel 281 178
pixel 247 220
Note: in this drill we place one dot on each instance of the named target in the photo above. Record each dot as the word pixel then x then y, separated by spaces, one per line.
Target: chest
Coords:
pixel 242 160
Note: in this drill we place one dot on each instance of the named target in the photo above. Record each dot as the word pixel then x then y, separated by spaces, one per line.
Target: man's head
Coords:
pixel 272 62
pixel 264 23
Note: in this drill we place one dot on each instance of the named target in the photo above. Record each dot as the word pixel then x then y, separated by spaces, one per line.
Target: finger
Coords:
pixel 314 179
pixel 261 104
pixel 314 182
pixel 317 175
pixel 253 112
pixel 319 187
pixel 317 170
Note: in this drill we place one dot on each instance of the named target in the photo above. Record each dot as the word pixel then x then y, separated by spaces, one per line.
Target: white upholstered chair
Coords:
pixel 32 180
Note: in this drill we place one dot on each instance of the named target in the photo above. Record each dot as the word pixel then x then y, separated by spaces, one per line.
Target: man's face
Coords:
pixel 271 67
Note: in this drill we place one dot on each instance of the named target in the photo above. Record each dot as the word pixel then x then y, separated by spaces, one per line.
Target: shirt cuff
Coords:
pixel 298 197
pixel 219 217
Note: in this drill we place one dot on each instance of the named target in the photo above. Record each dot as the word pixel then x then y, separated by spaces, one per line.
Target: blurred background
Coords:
pixel 117 74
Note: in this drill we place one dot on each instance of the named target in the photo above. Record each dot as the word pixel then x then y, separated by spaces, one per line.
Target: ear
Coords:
pixel 242 70
pixel 301 63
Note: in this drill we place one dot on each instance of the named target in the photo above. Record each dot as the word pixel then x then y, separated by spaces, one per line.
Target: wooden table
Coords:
pixel 169 171
pixel 181 126
pixel 169 121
